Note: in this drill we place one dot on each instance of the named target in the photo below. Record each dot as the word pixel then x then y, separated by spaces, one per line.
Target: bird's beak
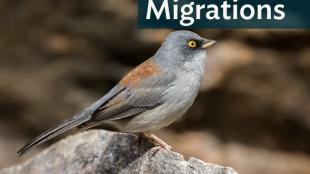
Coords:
pixel 208 43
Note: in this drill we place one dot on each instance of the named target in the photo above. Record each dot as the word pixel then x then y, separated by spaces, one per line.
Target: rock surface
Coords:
pixel 99 151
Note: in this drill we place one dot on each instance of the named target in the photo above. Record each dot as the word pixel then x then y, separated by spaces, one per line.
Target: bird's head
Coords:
pixel 183 46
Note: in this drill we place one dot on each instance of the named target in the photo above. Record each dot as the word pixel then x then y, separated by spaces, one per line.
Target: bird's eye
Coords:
pixel 192 44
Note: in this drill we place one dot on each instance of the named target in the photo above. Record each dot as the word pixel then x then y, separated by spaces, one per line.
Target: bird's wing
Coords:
pixel 143 89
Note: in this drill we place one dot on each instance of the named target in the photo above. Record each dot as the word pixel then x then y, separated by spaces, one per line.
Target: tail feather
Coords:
pixel 53 132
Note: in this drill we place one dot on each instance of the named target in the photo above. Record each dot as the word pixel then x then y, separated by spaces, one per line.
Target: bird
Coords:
pixel 151 96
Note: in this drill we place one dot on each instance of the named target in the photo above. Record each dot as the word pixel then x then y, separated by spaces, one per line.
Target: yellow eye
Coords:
pixel 192 44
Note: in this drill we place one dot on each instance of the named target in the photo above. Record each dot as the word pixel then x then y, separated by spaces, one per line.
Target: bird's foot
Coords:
pixel 157 140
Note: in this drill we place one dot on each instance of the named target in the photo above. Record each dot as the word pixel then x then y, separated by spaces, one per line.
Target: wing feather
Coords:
pixel 132 101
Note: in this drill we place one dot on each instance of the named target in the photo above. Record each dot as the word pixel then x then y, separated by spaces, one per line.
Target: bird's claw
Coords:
pixel 157 141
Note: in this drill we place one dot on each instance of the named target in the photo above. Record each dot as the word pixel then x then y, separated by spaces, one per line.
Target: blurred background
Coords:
pixel 57 57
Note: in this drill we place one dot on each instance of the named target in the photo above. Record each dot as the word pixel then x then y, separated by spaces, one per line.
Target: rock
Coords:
pixel 99 151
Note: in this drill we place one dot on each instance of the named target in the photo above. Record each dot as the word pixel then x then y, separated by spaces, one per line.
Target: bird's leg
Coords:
pixel 137 139
pixel 157 140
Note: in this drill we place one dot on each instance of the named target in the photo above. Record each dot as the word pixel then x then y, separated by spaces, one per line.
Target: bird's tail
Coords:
pixel 53 132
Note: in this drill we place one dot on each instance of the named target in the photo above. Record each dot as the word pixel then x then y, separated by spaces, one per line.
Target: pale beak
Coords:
pixel 207 43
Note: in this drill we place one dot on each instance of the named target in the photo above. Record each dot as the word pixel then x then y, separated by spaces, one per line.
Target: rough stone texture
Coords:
pixel 99 151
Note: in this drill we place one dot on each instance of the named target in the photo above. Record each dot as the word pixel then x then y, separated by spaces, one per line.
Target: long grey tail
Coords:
pixel 53 132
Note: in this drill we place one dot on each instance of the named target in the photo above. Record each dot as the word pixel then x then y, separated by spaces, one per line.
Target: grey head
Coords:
pixel 182 46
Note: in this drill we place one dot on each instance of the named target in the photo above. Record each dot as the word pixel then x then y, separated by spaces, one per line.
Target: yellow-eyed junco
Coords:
pixel 151 96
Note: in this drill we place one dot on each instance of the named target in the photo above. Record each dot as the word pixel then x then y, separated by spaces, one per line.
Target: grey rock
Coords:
pixel 99 151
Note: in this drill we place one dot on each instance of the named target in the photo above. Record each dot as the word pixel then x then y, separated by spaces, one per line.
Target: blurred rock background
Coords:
pixel 252 113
